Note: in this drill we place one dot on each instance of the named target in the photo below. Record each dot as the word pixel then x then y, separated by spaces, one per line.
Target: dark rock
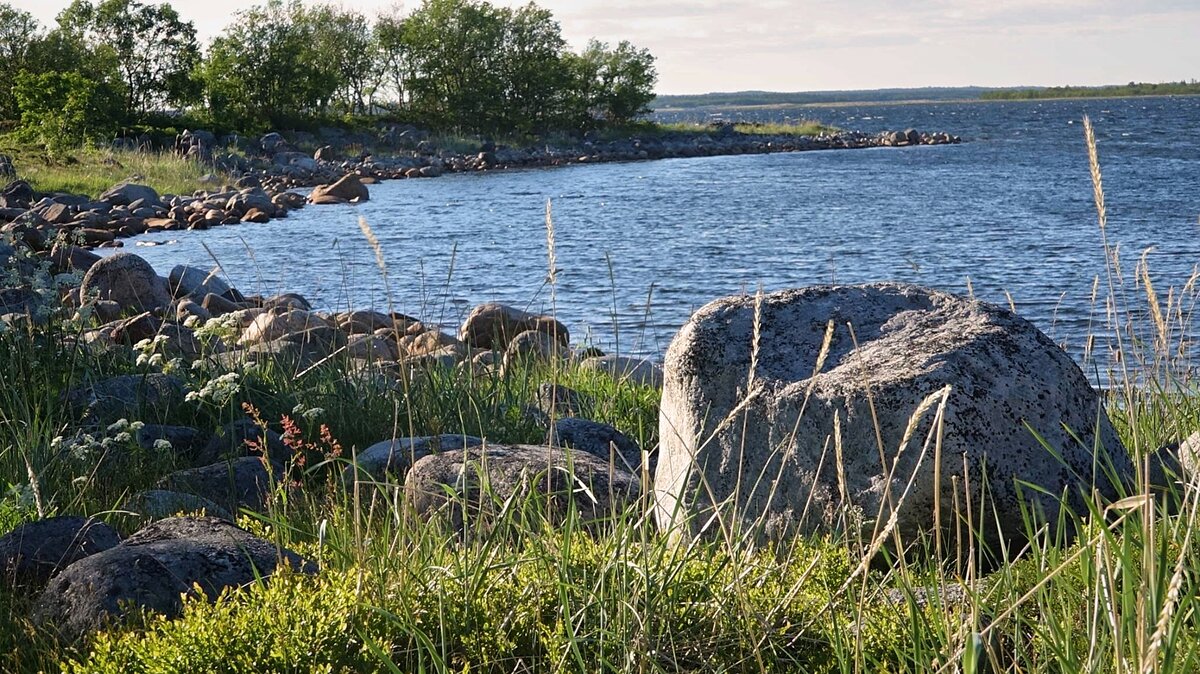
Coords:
pixel 33 552
pixel 124 194
pixel 556 400
pixel 395 457
pixel 493 326
pixel 185 281
pixel 131 396
pixel 154 568
pixel 600 440
pixel 234 484
pixel 157 504
pixel 232 438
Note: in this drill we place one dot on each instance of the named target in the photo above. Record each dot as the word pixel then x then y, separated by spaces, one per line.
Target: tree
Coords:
pixel 394 55
pixel 623 80
pixel 263 71
pixel 532 69
pixel 18 32
pixel 61 110
pixel 344 52
pixel 155 50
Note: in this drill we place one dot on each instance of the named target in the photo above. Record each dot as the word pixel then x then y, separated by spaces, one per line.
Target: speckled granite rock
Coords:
pixel 512 472
pixel 1003 373
pixel 154 568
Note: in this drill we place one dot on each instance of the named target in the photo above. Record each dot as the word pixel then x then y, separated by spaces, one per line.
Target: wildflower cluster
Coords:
pixel 219 391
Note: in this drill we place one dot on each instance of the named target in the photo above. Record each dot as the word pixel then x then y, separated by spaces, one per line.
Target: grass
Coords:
pixel 521 593
pixel 91 171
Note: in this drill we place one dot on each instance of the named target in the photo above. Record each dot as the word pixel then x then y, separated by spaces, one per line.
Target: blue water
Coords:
pixel 641 245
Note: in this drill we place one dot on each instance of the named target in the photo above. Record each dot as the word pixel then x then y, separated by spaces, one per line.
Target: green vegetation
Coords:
pixel 1112 91
pixel 750 99
pixel 460 66
pixel 91 171
pixel 528 594
pixel 801 128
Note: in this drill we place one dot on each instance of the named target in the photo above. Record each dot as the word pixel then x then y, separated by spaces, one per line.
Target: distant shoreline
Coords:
pixel 935 101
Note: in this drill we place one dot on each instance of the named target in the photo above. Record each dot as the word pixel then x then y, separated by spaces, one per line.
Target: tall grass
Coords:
pixel 529 591
pixel 91 171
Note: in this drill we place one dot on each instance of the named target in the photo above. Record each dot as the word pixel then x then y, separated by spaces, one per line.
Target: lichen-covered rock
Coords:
pixel 531 346
pixel 395 457
pixel 271 326
pixel 626 369
pixel 154 568
pixel 736 438
pixel 493 326
pixel 471 486
pixel 128 280
pixel 33 552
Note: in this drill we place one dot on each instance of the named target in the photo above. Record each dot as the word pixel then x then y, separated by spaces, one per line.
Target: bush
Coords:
pixel 63 110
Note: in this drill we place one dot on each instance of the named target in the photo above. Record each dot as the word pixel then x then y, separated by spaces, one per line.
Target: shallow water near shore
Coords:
pixel 639 246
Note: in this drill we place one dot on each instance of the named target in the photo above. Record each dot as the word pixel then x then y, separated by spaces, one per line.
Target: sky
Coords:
pixel 809 45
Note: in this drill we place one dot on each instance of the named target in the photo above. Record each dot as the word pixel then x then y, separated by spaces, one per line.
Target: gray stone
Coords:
pixel 238 438
pixel 154 568
pixel 556 400
pixel 33 552
pixel 129 396
pixel 531 346
pixel 395 457
pixel 740 441
pixel 128 280
pixel 186 442
pixel 124 194
pixel 234 484
pixel 600 440
pixel 623 368
pixel 157 504
pixel 472 486
pixel 185 281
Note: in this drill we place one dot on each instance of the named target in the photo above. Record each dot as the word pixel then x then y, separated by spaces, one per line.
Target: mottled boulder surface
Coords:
pixel 32 552
pixel 153 568
pixel 483 479
pixel 493 326
pixel 395 457
pixel 718 422
pixel 128 280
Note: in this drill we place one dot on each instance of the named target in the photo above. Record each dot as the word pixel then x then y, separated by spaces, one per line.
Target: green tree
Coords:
pixel 19 31
pixel 623 80
pixel 533 70
pixel 155 50
pixel 62 110
pixel 343 51
pixel 394 55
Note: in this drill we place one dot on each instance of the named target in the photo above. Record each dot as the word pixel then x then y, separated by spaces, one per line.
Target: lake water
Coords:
pixel 639 246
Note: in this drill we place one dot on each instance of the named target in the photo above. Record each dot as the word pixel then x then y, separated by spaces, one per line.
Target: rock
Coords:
pixel 238 438
pixel 362 322
pixel 326 153
pixel 600 440
pixel 33 552
pixel 428 343
pixel 157 504
pixel 556 400
pixel 395 457
pixel 218 305
pixel 187 308
pixel 531 345
pixel 272 143
pixel 72 258
pixel 17 193
pixel 270 326
pixel 471 486
pixel 154 568
pixel 235 484
pixel 623 368
pixel 124 194
pixel 186 281
pixel 128 280
pixel 1002 372
pixel 349 188
pixel 493 325
pixel 186 442
pixel 372 347
pixel 130 396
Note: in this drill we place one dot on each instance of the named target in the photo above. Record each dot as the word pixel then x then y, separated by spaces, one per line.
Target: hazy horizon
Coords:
pixel 706 46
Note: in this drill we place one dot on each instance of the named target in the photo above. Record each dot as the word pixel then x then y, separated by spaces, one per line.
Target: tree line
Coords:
pixel 448 65
pixel 1182 88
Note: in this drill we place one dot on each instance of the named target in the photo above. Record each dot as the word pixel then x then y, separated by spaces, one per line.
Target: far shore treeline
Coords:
pixel 458 66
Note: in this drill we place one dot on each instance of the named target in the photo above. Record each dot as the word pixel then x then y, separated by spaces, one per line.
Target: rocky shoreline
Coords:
pixel 263 180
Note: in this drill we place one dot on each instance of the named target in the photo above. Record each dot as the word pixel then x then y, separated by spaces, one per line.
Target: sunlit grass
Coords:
pixel 91 171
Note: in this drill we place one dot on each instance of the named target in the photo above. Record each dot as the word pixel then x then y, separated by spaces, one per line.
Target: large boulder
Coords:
pixel 271 326
pixel 493 326
pixel 395 457
pixel 187 281
pixel 472 486
pixel 773 448
pixel 154 569
pixel 626 369
pixel 128 280
pixel 124 194
pixel 349 188
pixel 33 552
